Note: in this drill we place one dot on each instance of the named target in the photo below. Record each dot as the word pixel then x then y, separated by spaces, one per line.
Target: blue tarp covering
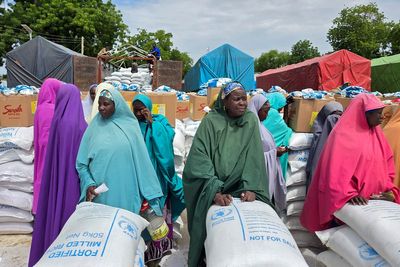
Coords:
pixel 225 61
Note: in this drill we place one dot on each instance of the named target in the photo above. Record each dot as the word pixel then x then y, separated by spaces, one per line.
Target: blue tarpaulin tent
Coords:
pixel 225 61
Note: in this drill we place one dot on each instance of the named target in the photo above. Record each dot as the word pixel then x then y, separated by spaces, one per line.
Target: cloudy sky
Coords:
pixel 254 26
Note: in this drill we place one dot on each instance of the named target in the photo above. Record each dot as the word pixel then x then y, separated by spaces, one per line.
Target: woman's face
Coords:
pixel 263 112
pixel 138 108
pixel 236 103
pixel 92 93
pixel 106 107
pixel 374 117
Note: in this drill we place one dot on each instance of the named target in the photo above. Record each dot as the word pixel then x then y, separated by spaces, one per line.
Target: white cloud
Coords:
pixel 254 26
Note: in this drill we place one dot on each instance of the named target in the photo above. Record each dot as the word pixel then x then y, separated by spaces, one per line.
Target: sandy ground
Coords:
pixel 14 250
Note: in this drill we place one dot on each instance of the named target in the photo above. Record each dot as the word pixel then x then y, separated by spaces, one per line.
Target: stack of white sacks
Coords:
pixel 369 238
pixel 16 180
pixel 184 134
pixel 125 80
pixel 309 243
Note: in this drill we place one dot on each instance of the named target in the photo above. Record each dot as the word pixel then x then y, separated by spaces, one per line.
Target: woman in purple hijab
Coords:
pixel 60 190
pixel 260 106
pixel 43 117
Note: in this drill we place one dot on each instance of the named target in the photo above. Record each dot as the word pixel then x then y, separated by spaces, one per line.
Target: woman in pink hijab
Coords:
pixel 356 165
pixel 43 117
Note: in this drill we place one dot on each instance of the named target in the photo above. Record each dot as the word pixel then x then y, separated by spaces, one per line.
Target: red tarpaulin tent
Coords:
pixel 322 73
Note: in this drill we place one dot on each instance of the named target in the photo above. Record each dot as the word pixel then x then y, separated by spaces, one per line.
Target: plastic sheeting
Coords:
pixel 34 61
pixel 322 73
pixel 386 74
pixel 224 61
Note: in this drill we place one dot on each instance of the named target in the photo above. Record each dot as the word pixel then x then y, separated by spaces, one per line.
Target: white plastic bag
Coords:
pixel 293 223
pixel 15 228
pixel 24 186
pixel 16 199
pixel 296 178
pixel 139 257
pixel 16 137
pixel 96 235
pixel 249 234
pixel 294 208
pixel 300 141
pixel 298 155
pixel 306 239
pixel 296 193
pixel 16 171
pixel 378 224
pixel 16 154
pixel 11 214
pixel 350 246
pixel 331 259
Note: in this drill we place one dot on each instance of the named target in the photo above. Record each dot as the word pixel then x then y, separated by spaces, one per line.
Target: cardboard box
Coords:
pixel 17 110
pixel 129 96
pixel 345 101
pixel 164 104
pixel 212 94
pixel 387 113
pixel 303 113
pixel 182 109
pixel 196 105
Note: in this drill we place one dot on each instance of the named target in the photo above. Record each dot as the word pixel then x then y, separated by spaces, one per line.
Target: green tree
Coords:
pixel 303 50
pixel 394 39
pixel 145 40
pixel 271 60
pixel 362 29
pixel 63 22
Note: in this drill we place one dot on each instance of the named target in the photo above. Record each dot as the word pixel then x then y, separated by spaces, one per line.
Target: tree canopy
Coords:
pixel 64 22
pixel 271 60
pixel 364 30
pixel 303 50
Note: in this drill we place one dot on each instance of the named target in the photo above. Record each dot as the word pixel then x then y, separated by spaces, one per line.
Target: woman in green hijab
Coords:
pixel 226 160
pixel 277 126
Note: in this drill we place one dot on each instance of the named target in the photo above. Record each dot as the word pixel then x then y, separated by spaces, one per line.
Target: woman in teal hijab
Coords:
pixel 277 126
pixel 113 152
pixel 158 136
pixel 226 160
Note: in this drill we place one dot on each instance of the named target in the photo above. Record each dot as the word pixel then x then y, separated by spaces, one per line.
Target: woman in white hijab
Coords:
pixel 87 103
pixel 95 107
pixel 260 106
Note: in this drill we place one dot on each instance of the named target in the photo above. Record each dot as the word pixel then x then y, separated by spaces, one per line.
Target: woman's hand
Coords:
pixel 90 193
pixel 147 115
pixel 280 150
pixel 387 196
pixel 358 200
pixel 248 196
pixel 223 199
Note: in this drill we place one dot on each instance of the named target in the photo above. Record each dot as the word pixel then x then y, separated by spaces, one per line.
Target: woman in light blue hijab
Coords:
pixel 277 126
pixel 113 152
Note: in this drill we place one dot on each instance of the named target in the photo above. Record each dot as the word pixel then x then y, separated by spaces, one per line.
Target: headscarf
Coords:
pixel 159 139
pixel 59 192
pixel 277 185
pixel 322 127
pixel 87 103
pixel 277 126
pixel 105 93
pixel 95 107
pixel 276 100
pixel 392 131
pixel 356 161
pixel 226 156
pixel 229 88
pixel 42 122
pixel 113 152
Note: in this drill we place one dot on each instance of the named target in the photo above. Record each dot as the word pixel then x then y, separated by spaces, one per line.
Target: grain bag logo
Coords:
pixel 367 252
pixel 221 213
pixel 11 110
pixel 128 228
